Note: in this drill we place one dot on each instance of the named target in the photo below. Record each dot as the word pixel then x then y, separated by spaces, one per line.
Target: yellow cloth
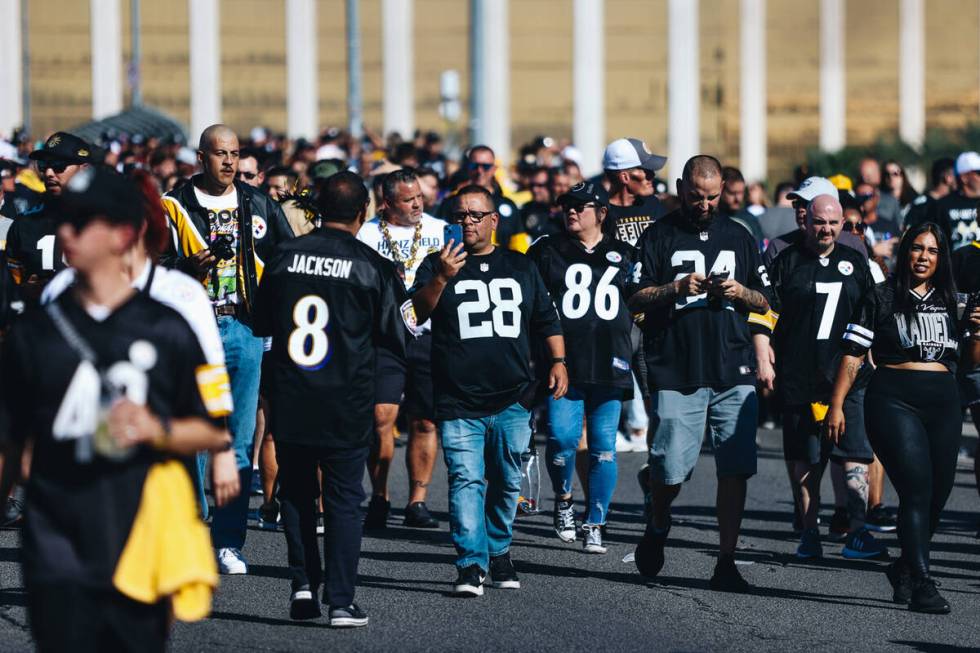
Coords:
pixel 168 553
pixel 29 177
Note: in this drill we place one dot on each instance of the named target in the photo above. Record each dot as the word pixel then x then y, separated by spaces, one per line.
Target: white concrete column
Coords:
pixel 107 79
pixel 11 60
pixel 752 101
pixel 302 91
pixel 833 107
pixel 589 83
pixel 398 100
pixel 491 68
pixel 912 72
pixel 683 85
pixel 205 70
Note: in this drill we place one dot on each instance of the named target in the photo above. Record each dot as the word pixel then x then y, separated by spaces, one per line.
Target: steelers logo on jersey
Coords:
pixel 846 268
pixel 614 257
pixel 259 228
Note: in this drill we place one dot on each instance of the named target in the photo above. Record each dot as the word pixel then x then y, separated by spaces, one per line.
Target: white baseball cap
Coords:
pixel 628 153
pixel 813 186
pixel 967 162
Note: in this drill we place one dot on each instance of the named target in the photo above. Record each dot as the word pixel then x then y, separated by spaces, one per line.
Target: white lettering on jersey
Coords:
pixel 927 331
pixel 723 266
pixel 321 266
pixel 505 319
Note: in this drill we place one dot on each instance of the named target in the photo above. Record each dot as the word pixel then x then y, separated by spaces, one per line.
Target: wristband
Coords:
pixel 160 442
pixel 558 359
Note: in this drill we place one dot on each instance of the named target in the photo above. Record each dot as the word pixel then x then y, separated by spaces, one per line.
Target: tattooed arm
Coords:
pixel 644 300
pixel 846 373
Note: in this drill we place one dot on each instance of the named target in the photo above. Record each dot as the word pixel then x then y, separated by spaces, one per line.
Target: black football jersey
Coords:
pixel 956 214
pixel 814 298
pixel 81 505
pixel 33 246
pixel 627 223
pixel 328 301
pixel 966 268
pixel 928 333
pixel 590 289
pixel 482 330
pixel 694 342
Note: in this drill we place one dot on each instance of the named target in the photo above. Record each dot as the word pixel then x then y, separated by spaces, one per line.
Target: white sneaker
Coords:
pixel 624 444
pixel 639 443
pixel 231 562
pixel 592 540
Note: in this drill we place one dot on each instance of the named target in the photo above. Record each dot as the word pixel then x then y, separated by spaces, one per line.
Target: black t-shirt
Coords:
pixel 957 216
pixel 929 334
pixel 33 246
pixel 815 298
pixel 482 331
pixel 328 301
pixel 692 342
pixel 919 210
pixel 80 509
pixel 966 268
pixel 590 289
pixel 627 223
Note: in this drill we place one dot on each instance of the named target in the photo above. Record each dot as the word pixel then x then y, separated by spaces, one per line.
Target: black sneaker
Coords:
pixel 564 520
pixel 417 516
pixel 377 513
pixel 649 555
pixel 840 524
pixel 348 617
pixel 643 479
pixel 269 515
pixel 303 604
pixel 926 598
pixel 470 581
pixel 726 577
pixel 880 519
pixel 901 581
pixel 503 574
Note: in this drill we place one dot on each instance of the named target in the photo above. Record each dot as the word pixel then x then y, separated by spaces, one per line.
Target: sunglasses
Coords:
pixel 247 175
pixel 486 167
pixel 865 197
pixel 578 208
pixel 57 165
pixel 476 217
pixel 854 227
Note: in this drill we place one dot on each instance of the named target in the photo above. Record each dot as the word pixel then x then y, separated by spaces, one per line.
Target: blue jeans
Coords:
pixel 483 456
pixel 600 408
pixel 243 358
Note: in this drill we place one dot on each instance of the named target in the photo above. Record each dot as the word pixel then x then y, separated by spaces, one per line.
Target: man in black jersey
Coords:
pixel 34 253
pixel 942 182
pixel 588 274
pixel 329 302
pixel 816 287
pixel 699 277
pixel 630 167
pixel 108 388
pixel 487 305
pixel 956 213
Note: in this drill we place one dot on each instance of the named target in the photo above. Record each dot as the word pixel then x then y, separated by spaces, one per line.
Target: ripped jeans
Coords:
pixel 599 407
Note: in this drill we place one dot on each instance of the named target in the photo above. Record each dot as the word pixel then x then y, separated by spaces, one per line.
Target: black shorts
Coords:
pixel 803 439
pixel 396 379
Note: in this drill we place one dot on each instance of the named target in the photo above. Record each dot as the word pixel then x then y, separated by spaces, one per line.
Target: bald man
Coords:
pixel 700 275
pixel 817 285
pixel 224 231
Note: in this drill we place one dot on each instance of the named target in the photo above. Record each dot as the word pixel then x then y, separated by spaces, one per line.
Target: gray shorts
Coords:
pixel 729 413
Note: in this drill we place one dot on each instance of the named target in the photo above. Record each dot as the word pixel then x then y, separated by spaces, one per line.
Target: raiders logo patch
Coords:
pixel 408 317
pixel 614 257
pixel 259 227
pixel 846 268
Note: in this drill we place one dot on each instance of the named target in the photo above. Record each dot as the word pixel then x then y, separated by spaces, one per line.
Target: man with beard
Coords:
pixel 699 277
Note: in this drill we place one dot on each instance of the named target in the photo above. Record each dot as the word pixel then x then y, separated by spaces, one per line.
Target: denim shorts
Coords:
pixel 729 413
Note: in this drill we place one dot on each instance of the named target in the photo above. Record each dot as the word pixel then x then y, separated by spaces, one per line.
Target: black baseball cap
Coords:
pixel 62 146
pixel 585 191
pixel 101 192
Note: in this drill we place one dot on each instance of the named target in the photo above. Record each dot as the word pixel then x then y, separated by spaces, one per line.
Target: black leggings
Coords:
pixel 914 423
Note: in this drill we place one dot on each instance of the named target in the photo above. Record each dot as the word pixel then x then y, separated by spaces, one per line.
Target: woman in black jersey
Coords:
pixel 912 407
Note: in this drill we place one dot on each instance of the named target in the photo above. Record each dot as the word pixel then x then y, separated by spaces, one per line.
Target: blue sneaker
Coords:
pixel 861 545
pixel 810 546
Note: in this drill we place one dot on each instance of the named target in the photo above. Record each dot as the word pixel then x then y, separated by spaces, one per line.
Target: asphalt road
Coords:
pixel 570 601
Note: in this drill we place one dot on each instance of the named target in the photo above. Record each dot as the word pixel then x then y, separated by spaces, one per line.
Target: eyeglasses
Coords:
pixel 476 217
pixel 57 165
pixel 578 208
pixel 247 175
pixel 473 165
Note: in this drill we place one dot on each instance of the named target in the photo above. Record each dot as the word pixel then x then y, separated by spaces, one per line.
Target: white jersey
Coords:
pixel 173 289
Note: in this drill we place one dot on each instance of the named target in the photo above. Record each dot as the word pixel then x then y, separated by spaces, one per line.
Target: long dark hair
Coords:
pixel 942 281
pixel 908 194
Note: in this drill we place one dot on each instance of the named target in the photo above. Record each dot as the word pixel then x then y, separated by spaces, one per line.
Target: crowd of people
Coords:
pixel 260 316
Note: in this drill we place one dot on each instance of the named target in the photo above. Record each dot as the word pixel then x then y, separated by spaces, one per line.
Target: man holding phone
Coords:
pixel 225 230
pixel 404 234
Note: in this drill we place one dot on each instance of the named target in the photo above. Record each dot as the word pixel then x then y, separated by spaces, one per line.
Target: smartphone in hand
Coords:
pixel 453 232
